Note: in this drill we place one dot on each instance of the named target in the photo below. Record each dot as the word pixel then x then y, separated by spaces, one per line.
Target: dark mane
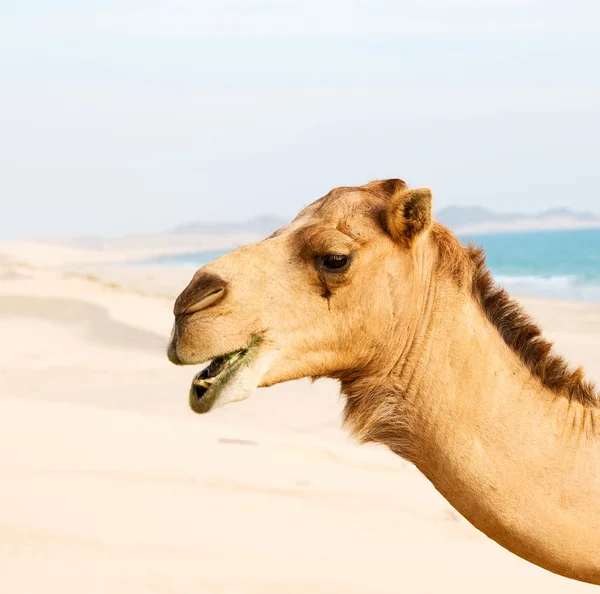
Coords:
pixel 517 328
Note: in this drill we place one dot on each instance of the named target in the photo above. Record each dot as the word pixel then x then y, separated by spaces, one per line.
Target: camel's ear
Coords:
pixel 408 214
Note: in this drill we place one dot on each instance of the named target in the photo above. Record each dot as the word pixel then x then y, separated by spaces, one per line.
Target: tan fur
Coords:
pixel 434 360
pixel 517 329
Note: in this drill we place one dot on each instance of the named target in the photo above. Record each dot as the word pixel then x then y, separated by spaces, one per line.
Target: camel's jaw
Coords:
pixel 229 378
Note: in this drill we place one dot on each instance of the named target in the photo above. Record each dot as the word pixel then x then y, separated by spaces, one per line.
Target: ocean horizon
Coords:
pixel 562 264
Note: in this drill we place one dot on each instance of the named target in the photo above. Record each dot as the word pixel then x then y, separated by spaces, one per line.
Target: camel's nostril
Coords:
pixel 206 301
pixel 204 290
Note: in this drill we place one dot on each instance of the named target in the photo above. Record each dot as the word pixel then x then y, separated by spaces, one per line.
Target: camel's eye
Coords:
pixel 333 262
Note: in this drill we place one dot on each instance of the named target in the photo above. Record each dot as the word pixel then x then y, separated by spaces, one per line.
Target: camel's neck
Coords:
pixel 518 461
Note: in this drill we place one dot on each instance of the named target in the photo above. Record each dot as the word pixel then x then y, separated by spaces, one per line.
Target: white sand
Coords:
pixel 108 484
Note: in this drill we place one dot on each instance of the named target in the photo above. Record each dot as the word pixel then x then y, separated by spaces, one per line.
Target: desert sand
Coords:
pixel 108 483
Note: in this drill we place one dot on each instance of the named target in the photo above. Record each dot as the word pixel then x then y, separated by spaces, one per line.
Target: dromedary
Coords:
pixel 434 362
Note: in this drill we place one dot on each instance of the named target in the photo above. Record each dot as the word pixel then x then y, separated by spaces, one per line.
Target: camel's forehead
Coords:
pixel 348 206
pixel 356 212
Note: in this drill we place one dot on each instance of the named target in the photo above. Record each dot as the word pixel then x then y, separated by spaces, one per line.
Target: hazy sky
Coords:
pixel 121 116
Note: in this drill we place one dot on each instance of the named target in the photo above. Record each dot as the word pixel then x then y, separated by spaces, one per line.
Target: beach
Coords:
pixel 109 483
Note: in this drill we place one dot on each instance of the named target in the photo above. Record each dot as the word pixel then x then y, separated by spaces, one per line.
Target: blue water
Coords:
pixel 553 264
pixel 191 260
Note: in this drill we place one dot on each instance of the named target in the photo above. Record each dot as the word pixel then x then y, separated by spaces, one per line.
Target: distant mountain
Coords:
pixel 474 219
pixel 458 216
pixel 263 225
pixel 565 212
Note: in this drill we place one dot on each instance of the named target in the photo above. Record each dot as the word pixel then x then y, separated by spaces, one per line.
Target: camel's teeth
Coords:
pixel 202 383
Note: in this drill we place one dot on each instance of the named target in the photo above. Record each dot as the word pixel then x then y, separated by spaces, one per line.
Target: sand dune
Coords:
pixel 94 321
pixel 109 484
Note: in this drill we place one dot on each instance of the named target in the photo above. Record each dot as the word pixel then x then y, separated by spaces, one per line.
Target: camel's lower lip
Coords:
pixel 208 384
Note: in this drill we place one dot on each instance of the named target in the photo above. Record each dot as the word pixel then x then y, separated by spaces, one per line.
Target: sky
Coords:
pixel 134 116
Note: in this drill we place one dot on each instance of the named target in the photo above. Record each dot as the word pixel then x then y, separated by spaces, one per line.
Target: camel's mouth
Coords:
pixel 226 378
pixel 210 379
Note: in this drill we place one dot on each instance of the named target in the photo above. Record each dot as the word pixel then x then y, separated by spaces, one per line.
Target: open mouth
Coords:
pixel 213 376
pixel 226 378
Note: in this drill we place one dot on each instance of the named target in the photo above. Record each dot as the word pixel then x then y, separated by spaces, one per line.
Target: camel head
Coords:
pixel 321 297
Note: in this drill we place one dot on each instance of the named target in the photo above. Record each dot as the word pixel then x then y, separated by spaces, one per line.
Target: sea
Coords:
pixel 561 264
